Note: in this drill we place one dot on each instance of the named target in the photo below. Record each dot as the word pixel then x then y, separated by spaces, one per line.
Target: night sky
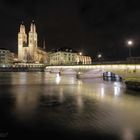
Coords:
pixel 90 26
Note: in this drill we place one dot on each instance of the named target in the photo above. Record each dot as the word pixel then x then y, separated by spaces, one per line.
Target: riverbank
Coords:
pixel 133 84
pixel 22 69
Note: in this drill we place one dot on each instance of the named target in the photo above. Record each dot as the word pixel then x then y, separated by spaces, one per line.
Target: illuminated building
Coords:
pixel 81 59
pixel 29 51
pixel 67 56
pixel 22 43
pixel 6 58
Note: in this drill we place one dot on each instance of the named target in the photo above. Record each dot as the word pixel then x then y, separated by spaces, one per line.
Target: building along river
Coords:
pixel 34 105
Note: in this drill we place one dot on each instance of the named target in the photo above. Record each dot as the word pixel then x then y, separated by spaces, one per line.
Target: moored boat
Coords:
pixel 133 85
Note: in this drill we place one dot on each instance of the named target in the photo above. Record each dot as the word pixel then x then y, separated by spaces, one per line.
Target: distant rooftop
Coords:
pixel 64 49
pixel 3 49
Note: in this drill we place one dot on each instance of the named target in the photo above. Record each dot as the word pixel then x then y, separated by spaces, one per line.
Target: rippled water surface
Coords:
pixel 33 104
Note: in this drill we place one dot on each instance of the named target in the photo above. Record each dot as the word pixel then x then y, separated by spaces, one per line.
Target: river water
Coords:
pixel 35 105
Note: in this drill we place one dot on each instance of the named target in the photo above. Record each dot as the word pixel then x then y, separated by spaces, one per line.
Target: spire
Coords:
pixel 22 28
pixel 33 21
pixel 44 45
pixel 33 27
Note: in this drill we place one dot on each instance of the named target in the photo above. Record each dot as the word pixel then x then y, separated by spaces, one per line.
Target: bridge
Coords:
pixel 123 69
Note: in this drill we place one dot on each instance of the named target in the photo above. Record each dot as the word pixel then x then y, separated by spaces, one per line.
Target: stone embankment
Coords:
pixel 22 69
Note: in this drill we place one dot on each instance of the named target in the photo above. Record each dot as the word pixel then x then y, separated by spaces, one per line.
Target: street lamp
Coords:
pixel 130 43
pixel 99 56
pixel 80 53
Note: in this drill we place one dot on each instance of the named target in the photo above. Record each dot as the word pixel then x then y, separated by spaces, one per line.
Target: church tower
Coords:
pixel 22 42
pixel 32 41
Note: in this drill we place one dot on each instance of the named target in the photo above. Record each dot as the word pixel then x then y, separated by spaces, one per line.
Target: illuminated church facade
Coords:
pixel 28 50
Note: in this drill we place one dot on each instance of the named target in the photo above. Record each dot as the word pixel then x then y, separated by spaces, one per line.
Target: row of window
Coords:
pixel 64 54
pixel 63 59
pixel 3 51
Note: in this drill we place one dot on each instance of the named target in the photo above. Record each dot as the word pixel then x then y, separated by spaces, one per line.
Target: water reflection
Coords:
pixel 66 103
pixel 26 101
pixel 102 91
pixel 61 95
pixel 128 134
pixel 58 78
pixel 23 78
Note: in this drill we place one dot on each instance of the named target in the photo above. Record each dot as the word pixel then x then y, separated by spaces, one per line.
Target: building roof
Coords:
pixel 4 49
pixel 64 49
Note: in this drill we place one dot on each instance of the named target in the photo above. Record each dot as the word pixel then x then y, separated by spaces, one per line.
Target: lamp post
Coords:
pixel 130 43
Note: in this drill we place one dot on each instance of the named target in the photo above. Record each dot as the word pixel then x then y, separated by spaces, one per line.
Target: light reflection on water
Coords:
pixel 66 103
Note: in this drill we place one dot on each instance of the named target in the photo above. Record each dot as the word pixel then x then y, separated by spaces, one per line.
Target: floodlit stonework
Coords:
pixel 6 58
pixel 29 51
pixel 67 57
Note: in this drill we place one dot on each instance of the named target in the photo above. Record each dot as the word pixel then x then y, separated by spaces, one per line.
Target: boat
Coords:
pixel 91 74
pixel 133 85
pixel 109 76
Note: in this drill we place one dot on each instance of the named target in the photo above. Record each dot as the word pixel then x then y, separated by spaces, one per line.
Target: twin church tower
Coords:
pixel 28 50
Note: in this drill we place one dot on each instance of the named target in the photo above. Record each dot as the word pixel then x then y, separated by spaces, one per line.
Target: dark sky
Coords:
pixel 91 26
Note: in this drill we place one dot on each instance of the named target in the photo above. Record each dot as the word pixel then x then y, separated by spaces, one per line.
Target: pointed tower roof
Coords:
pixel 33 26
pixel 44 45
pixel 22 27
pixel 33 21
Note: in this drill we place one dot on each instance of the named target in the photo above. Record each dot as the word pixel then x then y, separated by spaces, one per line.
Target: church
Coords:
pixel 28 50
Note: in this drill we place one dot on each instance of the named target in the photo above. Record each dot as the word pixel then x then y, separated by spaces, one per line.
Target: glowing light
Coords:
pixel 116 66
pixel 3 66
pixel 130 42
pixel 116 91
pixel 79 82
pixel 131 66
pixel 117 88
pixel 99 55
pixel 102 92
pixel 58 78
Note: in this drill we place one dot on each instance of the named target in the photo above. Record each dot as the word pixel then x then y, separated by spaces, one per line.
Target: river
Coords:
pixel 33 105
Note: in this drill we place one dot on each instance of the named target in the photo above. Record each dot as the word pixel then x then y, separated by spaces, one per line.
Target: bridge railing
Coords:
pixel 100 63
